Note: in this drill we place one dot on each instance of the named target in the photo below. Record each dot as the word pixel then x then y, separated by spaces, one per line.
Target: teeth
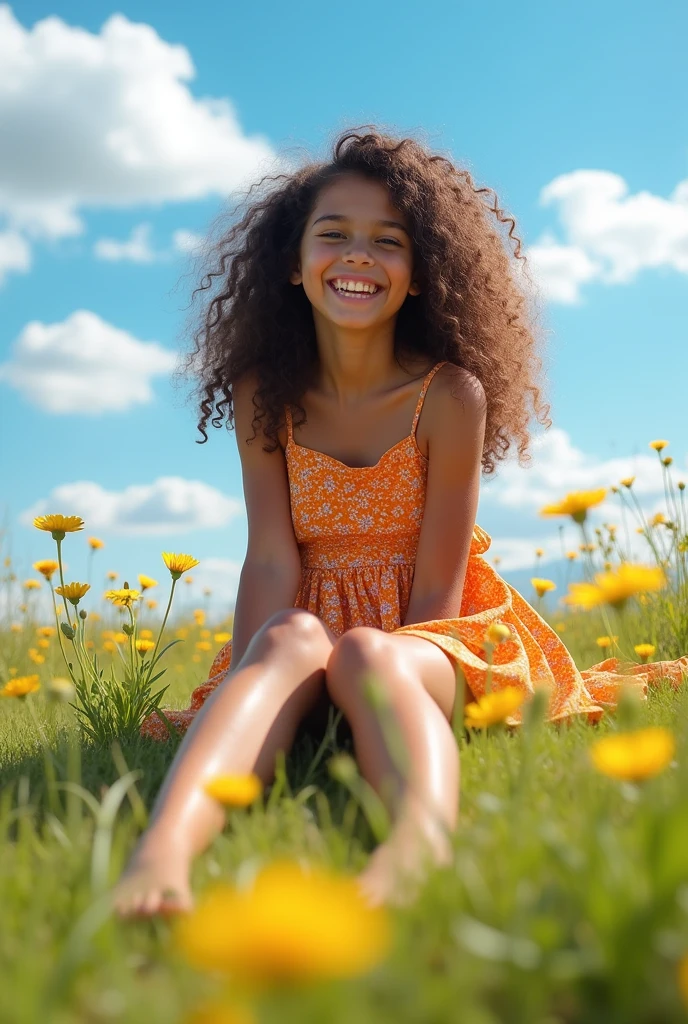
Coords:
pixel 354 286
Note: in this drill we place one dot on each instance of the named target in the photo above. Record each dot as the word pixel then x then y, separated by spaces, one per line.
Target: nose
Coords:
pixel 358 253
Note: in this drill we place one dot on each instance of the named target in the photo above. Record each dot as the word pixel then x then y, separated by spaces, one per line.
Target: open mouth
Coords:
pixel 349 296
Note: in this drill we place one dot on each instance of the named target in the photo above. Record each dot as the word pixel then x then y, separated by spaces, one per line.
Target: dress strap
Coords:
pixel 421 397
pixel 287 413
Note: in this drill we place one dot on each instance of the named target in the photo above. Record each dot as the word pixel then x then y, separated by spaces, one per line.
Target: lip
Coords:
pixel 351 298
pixel 355 277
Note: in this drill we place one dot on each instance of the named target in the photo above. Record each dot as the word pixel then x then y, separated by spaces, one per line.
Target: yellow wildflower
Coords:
pixel 633 756
pixel 58 526
pixel 182 632
pixel 112 575
pixel 151 603
pixel 46 567
pixel 204 634
pixel 35 657
pixel 202 645
pixel 20 686
pixel 576 504
pixel 178 564
pixel 627 481
pixel 616 587
pixel 497 632
pixel 32 585
pixel 125 597
pixel 147 582
pixel 542 586
pixel 43 643
pixel 235 790
pixel 560 627
pixel 667 460
pixel 290 925
pixel 496 560
pixel 146 634
pixel 658 445
pixel 539 552
pixel 16 627
pixel 199 616
pixel 73 591
pixel 222 638
pixel 658 519
pixel 143 646
pixel 121 638
pixel 571 555
pixel 95 543
pixel 644 651
pixel 46 631
pixel 493 707
pixel 606 641
pixel 109 645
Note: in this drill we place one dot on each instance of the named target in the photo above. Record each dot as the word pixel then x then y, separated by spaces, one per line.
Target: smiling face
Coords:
pixel 355 235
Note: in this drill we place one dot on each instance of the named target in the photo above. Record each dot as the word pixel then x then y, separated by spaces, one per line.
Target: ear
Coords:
pixel 414 289
pixel 295 276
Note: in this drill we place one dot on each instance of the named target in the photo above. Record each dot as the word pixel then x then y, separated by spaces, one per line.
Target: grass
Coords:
pixel 567 901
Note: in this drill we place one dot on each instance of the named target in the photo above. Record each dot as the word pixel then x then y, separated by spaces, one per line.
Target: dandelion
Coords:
pixel 151 603
pixel 120 638
pixel 658 519
pixel 46 631
pixel 146 634
pixel 572 555
pixel 606 641
pixel 109 645
pixel 667 460
pixel 95 543
pixel 73 591
pixel 112 575
pixel 634 756
pixel 235 790
pixel 35 657
pixel 542 586
pixel 627 481
pixel 143 646
pixel 539 552
pixel 43 643
pixel 189 580
pixel 124 598
pixel 644 651
pixel 493 707
pixel 658 445
pixel 178 564
pixel 291 925
pixel 20 686
pixel 616 587
pixel 32 585
pixel 576 504
pixel 58 526
pixel 46 567
pixel 147 582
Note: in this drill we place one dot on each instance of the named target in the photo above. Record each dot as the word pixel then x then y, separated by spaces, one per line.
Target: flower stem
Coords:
pixel 162 630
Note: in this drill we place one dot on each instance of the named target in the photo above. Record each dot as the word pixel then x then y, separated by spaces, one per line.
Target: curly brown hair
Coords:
pixel 472 310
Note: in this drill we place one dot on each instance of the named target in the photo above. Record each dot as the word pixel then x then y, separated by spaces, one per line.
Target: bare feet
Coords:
pixel 397 867
pixel 153 884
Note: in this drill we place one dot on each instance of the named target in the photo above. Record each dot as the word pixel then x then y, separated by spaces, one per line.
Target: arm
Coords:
pixel 263 590
pixel 457 434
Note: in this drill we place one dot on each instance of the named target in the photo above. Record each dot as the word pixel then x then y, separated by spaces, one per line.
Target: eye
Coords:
pixel 328 234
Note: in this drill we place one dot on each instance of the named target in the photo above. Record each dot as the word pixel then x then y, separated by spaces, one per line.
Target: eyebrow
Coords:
pixel 340 216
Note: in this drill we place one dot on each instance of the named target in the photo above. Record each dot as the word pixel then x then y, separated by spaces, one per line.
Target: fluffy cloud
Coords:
pixel 84 365
pixel 169 504
pixel 611 235
pixel 137 248
pixel 107 119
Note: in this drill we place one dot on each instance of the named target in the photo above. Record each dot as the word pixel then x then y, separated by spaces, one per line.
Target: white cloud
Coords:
pixel 15 253
pixel 137 249
pixel 84 365
pixel 169 504
pixel 611 235
pixel 108 119
pixel 186 241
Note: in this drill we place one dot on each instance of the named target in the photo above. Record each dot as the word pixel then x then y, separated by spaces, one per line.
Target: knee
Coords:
pixel 360 652
pixel 295 626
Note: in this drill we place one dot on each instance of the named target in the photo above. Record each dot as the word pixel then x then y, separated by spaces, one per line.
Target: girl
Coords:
pixel 374 294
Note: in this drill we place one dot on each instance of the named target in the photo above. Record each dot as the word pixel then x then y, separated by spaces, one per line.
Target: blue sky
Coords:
pixel 127 127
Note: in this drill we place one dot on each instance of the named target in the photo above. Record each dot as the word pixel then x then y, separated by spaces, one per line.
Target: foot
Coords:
pixel 397 867
pixel 153 884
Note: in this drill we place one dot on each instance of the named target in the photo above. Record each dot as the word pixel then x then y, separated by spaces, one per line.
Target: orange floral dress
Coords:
pixel 357 530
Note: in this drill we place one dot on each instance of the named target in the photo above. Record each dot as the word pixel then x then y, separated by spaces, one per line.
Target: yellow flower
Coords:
pixel 46 631
pixel 202 645
pixel 121 638
pixel 143 646
pixel 291 925
pixel 616 587
pixel 182 633
pixel 576 504
pixel 606 641
pixel 151 603
pixel 658 519
pixel 35 657
pixel 539 552
pixel 658 445
pixel 73 591
pixel 496 560
pixel 146 634
pixel 147 582
pixel 46 567
pixel 43 643
pixel 627 481
pixel 235 790
pixel 542 586
pixel 560 627
pixel 32 585
pixel 112 575
pixel 177 564
pixel 571 555
pixel 16 627
pixel 59 525
pixel 497 632
pixel 109 645
pixel 644 651
pixel 20 686
pixel 189 580
pixel 222 638
pixel 633 756
pixel 204 634
pixel 493 707
pixel 125 597
pixel 95 543
pixel 199 616
pixel 667 460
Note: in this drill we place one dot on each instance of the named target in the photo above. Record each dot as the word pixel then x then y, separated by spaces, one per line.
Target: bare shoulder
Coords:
pixel 459 393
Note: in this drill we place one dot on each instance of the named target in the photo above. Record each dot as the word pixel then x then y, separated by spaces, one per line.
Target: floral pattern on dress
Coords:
pixel 357 530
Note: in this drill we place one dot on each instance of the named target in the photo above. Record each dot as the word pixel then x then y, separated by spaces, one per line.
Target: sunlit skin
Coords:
pixel 355 337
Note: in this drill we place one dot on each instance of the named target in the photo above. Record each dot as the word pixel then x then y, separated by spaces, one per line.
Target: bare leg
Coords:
pixel 253 713
pixel 424 806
